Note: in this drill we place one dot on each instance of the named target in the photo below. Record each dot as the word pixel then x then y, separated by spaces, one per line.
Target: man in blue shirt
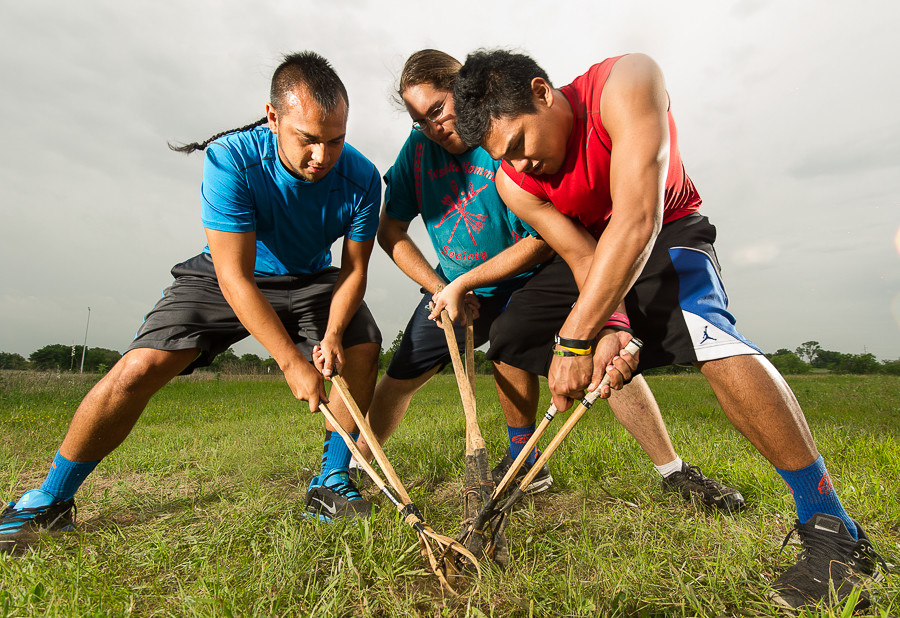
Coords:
pixel 275 196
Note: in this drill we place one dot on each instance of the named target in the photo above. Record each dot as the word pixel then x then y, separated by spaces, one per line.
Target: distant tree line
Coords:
pixel 59 357
pixel 810 355
pixel 245 364
pixel 806 358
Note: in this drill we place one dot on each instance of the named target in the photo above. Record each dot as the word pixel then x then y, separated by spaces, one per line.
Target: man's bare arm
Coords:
pixel 394 238
pixel 234 256
pixel 514 260
pixel 345 300
pixel 566 237
pixel 633 108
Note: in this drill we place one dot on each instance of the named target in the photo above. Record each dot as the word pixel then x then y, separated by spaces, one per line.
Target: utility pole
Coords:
pixel 84 347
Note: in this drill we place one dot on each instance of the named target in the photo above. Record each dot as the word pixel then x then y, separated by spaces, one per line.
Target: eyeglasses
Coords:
pixel 434 117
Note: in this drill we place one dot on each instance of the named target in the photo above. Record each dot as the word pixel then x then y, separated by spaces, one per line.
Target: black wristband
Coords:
pixel 573 343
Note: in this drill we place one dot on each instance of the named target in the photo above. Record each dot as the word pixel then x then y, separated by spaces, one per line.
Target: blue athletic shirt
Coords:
pixel 464 216
pixel 246 188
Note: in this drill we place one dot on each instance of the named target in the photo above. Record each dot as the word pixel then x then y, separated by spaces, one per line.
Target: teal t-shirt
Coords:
pixel 455 195
pixel 246 188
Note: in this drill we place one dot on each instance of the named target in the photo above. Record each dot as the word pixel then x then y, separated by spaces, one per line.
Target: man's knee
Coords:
pixel 143 368
pixel 363 353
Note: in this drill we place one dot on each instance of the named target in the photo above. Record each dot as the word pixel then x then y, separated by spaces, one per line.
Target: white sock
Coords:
pixel 665 470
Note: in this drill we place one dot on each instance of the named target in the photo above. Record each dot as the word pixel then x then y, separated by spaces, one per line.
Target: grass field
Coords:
pixel 200 511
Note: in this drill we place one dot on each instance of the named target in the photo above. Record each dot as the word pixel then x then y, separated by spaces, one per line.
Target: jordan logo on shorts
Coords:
pixel 706 336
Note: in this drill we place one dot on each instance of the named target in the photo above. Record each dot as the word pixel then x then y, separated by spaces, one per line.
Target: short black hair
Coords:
pixel 493 84
pixel 306 68
pixel 315 74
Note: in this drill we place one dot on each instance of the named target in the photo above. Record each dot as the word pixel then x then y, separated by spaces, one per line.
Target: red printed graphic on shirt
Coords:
pixel 420 148
pixel 474 222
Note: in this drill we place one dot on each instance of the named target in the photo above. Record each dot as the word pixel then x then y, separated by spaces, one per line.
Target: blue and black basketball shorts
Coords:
pixel 677 306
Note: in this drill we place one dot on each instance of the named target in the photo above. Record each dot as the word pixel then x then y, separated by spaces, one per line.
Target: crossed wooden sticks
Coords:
pixel 443 555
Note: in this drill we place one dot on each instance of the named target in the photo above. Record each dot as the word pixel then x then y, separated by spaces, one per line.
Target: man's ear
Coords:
pixel 542 92
pixel 272 117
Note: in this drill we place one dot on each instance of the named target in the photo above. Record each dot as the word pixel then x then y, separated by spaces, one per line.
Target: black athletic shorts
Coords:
pixel 523 335
pixel 424 344
pixel 677 306
pixel 193 313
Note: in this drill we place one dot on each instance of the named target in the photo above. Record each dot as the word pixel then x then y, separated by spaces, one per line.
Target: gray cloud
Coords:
pixel 784 112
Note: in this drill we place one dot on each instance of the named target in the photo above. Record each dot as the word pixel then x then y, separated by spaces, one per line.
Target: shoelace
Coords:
pixel 823 546
pixel 344 487
pixel 525 469
pixel 818 545
pixel 694 474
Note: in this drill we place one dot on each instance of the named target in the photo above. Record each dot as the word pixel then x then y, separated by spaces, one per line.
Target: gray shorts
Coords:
pixel 193 313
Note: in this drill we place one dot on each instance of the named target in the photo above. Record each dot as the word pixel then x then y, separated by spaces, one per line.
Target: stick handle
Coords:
pixel 470 347
pixel 507 479
pixel 408 511
pixel 633 348
pixel 474 440
pixel 487 510
pixel 354 449
pixel 341 387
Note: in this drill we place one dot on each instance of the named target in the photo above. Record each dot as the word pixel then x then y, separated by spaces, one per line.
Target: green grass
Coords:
pixel 199 512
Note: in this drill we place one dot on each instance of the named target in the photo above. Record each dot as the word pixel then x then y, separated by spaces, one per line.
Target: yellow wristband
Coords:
pixel 567 351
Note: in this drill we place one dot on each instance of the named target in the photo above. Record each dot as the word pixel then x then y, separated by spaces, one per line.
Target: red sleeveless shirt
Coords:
pixel 580 189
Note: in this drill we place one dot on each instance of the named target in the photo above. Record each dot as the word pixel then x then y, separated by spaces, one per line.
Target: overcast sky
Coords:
pixel 787 118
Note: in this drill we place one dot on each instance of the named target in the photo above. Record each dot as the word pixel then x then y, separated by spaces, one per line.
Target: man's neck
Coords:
pixel 562 106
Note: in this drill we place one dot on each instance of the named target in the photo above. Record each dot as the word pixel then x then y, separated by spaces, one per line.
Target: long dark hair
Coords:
pixel 308 69
pixel 428 66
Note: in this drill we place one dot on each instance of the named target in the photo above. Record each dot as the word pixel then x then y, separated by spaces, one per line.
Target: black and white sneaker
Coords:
pixel 35 513
pixel 539 484
pixel 336 497
pixel 693 485
pixel 831 565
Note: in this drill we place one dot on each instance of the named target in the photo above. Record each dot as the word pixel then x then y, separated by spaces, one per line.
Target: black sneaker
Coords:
pixel 34 514
pixel 539 484
pixel 692 484
pixel 336 497
pixel 830 566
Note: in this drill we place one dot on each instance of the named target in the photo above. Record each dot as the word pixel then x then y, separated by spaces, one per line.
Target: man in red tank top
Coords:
pixel 594 168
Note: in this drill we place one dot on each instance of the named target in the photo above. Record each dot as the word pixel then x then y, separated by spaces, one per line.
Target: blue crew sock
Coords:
pixel 518 437
pixel 813 493
pixel 335 454
pixel 65 477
